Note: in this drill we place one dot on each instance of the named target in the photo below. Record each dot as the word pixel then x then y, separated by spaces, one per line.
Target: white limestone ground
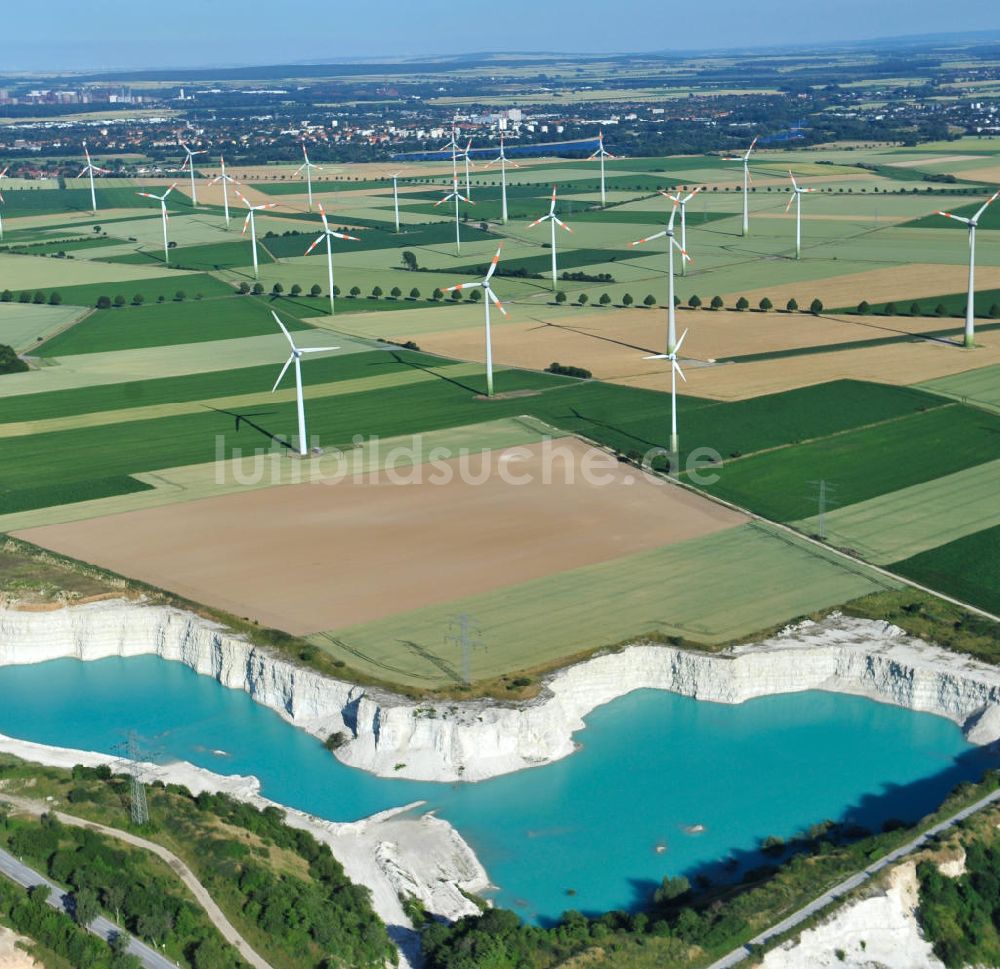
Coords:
pixel 12 957
pixel 879 932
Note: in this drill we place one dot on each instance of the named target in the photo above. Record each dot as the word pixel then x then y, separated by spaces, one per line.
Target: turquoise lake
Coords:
pixel 650 765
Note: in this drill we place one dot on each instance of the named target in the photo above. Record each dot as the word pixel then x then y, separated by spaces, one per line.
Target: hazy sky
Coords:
pixel 94 34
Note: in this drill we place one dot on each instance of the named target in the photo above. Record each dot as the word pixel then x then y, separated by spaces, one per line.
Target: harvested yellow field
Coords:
pixel 931 160
pixel 990 173
pixel 611 343
pixel 914 281
pixel 901 363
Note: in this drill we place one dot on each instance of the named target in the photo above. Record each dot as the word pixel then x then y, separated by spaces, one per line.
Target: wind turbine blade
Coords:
pixel 562 224
pixel 986 205
pixel 792 177
pixel 496 301
pixel 658 356
pixel 680 342
pixel 169 190
pixel 146 195
pixel 677 368
pixel 317 349
pixel 284 369
pixel 752 144
pixel 343 235
pixel 315 244
pixel 288 336
pixel 451 289
pixel 467 201
pixel 791 198
pixel 957 218
pixel 493 264
pixel 639 242
pixel 538 221
pixel 552 206
pixel 693 194
pixel 83 172
pixel 246 222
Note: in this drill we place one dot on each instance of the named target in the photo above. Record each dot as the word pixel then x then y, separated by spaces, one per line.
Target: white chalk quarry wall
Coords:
pixel 479 739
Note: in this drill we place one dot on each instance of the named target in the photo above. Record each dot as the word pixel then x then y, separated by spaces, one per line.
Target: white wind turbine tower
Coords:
pixel 329 235
pixel 491 297
pixel 308 166
pixel 465 155
pixel 554 220
pixel 796 197
pixel 249 220
pixel 672 244
pixel 682 203
pixel 162 199
pixel 675 371
pixel 225 179
pixel 458 197
pixel 745 159
pixel 296 358
pixel 970 310
pixel 89 169
pixel 602 154
pixel 3 174
pixel 504 162
pixel 395 197
pixel 452 146
pixel 189 164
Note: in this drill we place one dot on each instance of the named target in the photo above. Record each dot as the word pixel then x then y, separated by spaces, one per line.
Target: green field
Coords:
pixel 225 255
pixel 162 324
pixel 52 201
pixel 980 387
pixel 903 523
pixel 862 464
pixel 990 218
pixel 968 569
pixel 954 303
pixel 151 288
pixel 707 590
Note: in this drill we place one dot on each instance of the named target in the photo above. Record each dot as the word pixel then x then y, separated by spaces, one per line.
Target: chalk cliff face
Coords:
pixel 475 740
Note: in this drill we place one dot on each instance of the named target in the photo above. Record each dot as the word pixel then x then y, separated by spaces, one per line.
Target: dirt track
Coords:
pixel 308 558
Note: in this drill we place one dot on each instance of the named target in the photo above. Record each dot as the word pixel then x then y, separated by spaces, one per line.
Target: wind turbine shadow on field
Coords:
pixel 246 418
pixel 592 336
pixel 434 373
pixel 611 427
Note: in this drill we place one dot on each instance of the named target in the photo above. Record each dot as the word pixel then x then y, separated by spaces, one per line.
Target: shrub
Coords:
pixel 10 362
pixel 650 300
pixel 6 296
pixel 25 297
pixel 694 301
pixel 258 289
pixel 315 289
pixel 456 295
pixel 244 288
pixel 766 305
pixel 119 301
pixel 717 303
pixel 994 311
pixel 336 290
pixel 582 299
pixel 277 289
pixel 864 308
pixel 742 304
pixel 54 298
pixel 560 297
pixel 296 290
pixel 336 740
pixel 395 292
pixel 627 300
pixel 377 291
pixel 816 307
pixel 476 295
pixel 409 260
pixel 139 299
pixel 39 297
pixel 180 296
pixel 437 295
pixel 890 309
pixel 792 305
pixel 605 299
pixel 568 372
pixel 354 292
pixel 414 293
pixel 915 309
pixel 940 310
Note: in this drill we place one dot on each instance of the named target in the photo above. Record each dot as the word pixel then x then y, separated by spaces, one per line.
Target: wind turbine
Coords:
pixel 457 196
pixel 745 159
pixel 329 234
pixel 296 358
pixel 249 220
pixel 395 196
pixel 225 179
pixel 89 169
pixel 3 174
pixel 675 370
pixel 504 162
pixel 682 203
pixel 162 199
pixel 189 164
pixel 490 297
pixel 554 220
pixel 970 311
pixel 796 197
pixel 308 166
pixel 672 243
pixel 453 147
pixel 602 154
pixel 465 155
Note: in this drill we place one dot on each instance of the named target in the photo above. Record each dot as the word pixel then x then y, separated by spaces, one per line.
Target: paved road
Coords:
pixel 27 877
pixel 215 914
pixel 849 884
